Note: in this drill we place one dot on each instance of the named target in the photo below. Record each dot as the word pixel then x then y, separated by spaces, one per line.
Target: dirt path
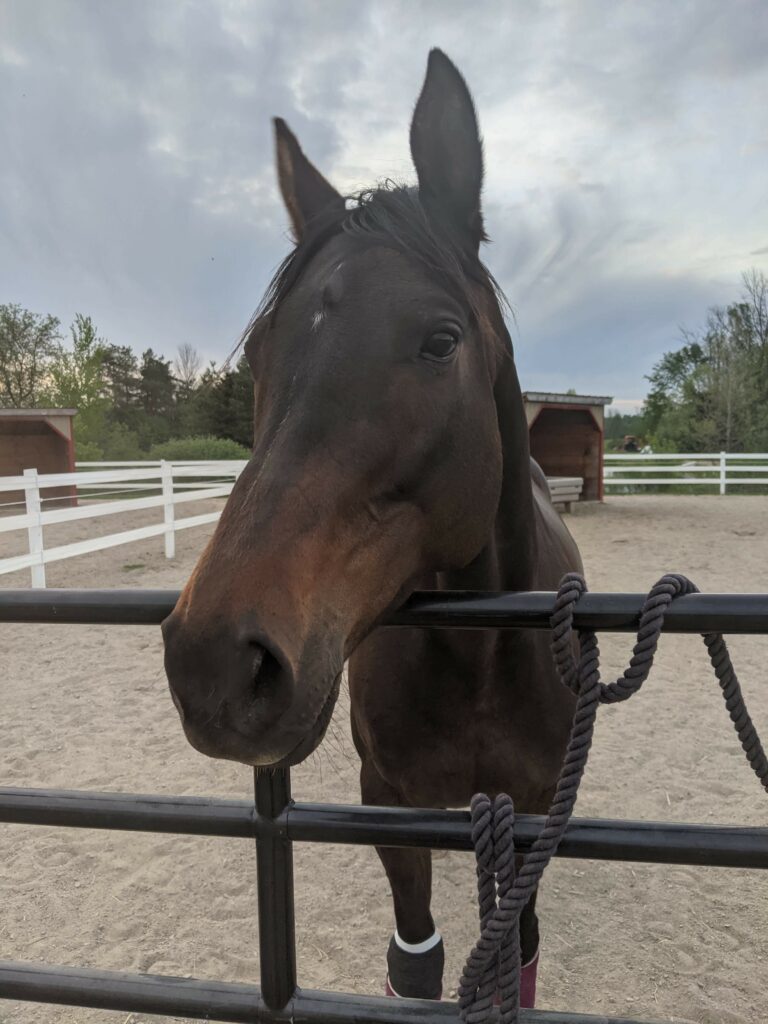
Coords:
pixel 87 708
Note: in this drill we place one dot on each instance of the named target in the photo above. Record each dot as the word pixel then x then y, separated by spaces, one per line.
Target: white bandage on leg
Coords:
pixel 533 960
pixel 418 947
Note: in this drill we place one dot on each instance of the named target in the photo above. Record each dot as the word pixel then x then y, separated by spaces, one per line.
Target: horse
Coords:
pixel 390 454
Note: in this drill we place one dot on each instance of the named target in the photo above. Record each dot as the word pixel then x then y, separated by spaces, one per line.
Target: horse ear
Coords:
pixel 446 148
pixel 305 191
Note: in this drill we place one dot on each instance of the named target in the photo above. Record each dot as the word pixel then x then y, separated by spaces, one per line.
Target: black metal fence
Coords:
pixel 275 822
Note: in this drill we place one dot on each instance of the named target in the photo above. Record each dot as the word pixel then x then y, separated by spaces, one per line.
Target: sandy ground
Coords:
pixel 87 708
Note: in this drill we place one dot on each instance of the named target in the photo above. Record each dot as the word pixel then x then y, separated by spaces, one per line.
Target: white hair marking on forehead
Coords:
pixel 331 295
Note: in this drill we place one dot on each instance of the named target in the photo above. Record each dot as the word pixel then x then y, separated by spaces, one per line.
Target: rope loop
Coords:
pixel 494 962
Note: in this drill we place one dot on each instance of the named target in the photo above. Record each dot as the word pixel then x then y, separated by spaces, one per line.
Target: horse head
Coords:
pixel 377 455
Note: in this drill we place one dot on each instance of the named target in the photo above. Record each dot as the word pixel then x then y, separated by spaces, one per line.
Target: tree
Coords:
pixel 712 393
pixel 670 382
pixel 76 379
pixel 121 378
pixel 126 405
pixel 28 344
pixel 154 415
pixel 236 397
pixel 156 389
pixel 222 405
pixel 186 370
pixel 619 424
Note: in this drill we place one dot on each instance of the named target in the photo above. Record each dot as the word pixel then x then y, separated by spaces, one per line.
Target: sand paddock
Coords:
pixel 87 708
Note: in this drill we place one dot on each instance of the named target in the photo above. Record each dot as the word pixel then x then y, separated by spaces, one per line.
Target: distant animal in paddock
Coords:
pixel 390 454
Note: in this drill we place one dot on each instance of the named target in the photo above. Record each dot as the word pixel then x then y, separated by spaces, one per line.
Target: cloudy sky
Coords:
pixel 626 150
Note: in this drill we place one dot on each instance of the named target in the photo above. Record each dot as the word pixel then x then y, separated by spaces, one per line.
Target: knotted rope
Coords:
pixel 502 894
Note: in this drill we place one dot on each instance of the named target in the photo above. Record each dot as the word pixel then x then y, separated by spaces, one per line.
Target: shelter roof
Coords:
pixel 37 413
pixel 557 398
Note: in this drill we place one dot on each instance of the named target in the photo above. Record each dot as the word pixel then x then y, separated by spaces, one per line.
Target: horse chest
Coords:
pixel 440 750
pixel 443 718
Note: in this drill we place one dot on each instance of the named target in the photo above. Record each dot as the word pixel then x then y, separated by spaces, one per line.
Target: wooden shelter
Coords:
pixel 567 436
pixel 41 439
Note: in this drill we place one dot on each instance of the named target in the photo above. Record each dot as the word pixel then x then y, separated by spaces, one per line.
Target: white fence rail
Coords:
pixel 112 488
pixel 160 485
pixel 721 470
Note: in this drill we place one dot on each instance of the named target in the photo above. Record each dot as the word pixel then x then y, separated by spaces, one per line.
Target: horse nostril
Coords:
pixel 258 660
pixel 266 672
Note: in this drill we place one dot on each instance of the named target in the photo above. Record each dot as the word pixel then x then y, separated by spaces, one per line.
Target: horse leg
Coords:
pixel 415 956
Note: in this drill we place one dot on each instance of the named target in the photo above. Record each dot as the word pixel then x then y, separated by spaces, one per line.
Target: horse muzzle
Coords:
pixel 240 697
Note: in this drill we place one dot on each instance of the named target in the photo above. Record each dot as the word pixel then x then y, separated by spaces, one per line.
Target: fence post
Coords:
pixel 274 880
pixel 35 528
pixel 723 471
pixel 166 473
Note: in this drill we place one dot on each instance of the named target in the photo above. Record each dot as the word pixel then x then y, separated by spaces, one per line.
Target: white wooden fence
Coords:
pixel 166 485
pixel 161 485
pixel 722 470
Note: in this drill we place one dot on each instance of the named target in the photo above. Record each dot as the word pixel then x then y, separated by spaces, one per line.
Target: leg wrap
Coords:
pixel 528 983
pixel 415 975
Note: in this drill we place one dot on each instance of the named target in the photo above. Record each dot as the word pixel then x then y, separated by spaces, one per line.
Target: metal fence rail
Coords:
pixel 230 1001
pixel 274 821
pixel 652 842
pixel 617 613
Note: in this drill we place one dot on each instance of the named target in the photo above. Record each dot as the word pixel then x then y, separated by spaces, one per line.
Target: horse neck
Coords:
pixel 508 560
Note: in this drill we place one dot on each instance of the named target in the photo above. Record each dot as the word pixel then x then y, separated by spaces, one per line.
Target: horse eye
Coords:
pixel 439 347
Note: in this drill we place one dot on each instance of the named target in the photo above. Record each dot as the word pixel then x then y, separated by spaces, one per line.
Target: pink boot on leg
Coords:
pixel 528 983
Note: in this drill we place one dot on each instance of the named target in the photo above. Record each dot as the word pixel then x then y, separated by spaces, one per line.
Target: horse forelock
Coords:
pixel 391 215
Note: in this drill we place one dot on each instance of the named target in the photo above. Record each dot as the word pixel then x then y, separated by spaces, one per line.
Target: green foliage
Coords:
pixel 121 444
pixel 221 405
pixel 76 376
pixel 121 378
pixel 618 425
pixel 196 448
pixel 128 408
pixel 116 444
pixel 29 344
pixel 156 386
pixel 89 451
pixel 76 380
pixel 712 393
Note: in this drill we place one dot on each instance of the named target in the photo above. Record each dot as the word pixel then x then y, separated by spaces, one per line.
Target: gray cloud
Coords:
pixel 626 148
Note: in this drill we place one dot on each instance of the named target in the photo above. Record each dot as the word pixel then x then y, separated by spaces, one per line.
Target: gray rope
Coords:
pixel 493 840
pixel 494 961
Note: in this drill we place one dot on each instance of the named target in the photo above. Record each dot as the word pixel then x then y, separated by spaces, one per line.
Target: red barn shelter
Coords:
pixel 41 439
pixel 567 435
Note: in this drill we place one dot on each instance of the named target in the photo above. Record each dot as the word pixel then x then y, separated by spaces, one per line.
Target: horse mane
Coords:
pixel 390 215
